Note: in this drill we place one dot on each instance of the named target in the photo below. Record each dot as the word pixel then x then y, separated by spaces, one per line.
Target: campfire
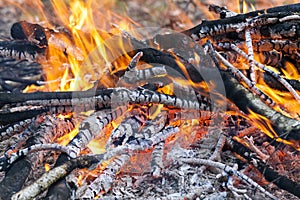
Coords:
pixel 97 102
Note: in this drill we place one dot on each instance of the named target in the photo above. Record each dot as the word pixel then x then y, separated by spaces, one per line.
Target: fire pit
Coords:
pixel 95 104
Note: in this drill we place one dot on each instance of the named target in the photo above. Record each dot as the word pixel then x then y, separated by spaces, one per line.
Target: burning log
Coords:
pixel 237 23
pixel 286 127
pixel 272 176
pixel 127 90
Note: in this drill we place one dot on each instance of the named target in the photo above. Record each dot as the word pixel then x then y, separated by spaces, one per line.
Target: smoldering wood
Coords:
pixel 285 46
pixel 282 31
pixel 258 21
pixel 105 180
pixel 124 132
pixel 88 129
pixel 157 160
pixel 131 147
pixel 270 174
pixel 23 30
pixel 285 127
pixel 102 99
pixel 54 175
pixel 272 58
pixel 8 158
pixel 9 130
pixel 210 139
pixel 46 132
pixel 143 144
pixel 92 126
pixel 268 71
pixel 20 49
pixel 237 23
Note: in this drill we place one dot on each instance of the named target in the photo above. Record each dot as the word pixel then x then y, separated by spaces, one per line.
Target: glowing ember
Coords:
pixel 85 50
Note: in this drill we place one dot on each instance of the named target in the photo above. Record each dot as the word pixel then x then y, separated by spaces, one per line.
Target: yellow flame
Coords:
pixel 79 55
pixel 65 139
pixel 96 147
pixel 47 167
pixel 265 125
pixel 290 71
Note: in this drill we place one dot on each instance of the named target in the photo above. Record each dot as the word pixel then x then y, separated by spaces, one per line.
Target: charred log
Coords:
pixel 14 180
pixel 273 83
pixel 286 127
pixel 31 32
pixel 270 174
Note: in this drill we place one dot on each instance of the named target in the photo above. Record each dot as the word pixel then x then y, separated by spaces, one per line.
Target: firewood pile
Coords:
pixel 91 108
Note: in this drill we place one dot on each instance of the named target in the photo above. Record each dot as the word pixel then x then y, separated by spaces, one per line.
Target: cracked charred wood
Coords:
pixel 35 136
pixel 49 129
pixel 88 129
pixel 151 55
pixel 239 23
pixel 285 127
pixel 157 159
pixel 50 177
pixel 105 180
pixel 20 49
pixel 282 31
pixel 104 99
pixel 267 70
pixel 272 58
pixel 9 158
pixel 13 129
pixel 285 46
pixel 271 175
pixel 242 78
pixel 92 126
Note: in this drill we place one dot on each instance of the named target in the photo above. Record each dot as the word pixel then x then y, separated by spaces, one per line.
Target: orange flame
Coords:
pixel 79 55
pixel 47 167
pixel 265 125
